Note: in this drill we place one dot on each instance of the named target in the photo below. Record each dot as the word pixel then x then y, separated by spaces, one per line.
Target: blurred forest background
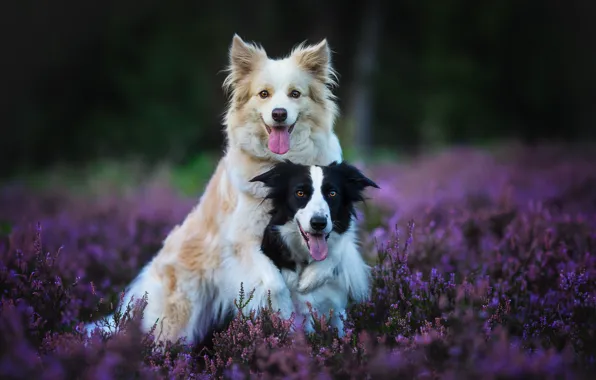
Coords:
pixel 120 80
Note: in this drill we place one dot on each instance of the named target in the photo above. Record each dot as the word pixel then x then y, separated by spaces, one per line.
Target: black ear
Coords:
pixel 268 177
pixel 274 175
pixel 355 182
pixel 355 176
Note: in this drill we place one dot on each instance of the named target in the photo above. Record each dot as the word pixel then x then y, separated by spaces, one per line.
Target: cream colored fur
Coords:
pixel 193 280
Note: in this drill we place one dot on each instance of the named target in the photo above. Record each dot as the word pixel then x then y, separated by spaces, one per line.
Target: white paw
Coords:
pixel 303 322
pixel 338 323
pixel 308 325
pixel 281 301
pixel 90 327
pixel 311 279
pixel 285 308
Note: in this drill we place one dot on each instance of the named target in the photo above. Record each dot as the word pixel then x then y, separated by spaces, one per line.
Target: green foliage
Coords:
pixel 95 177
pixel 439 87
pixel 101 176
pixel 192 176
pixel 161 80
pixel 5 228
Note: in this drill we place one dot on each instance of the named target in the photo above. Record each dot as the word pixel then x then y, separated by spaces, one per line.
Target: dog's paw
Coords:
pixel 308 326
pixel 311 279
pixel 303 323
pixel 89 328
pixel 280 301
pixel 286 309
pixel 337 322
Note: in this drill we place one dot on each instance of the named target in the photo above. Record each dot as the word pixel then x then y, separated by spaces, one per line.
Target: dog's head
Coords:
pixel 276 104
pixel 316 200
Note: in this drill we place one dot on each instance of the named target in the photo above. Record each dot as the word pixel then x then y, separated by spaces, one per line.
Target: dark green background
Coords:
pixel 115 79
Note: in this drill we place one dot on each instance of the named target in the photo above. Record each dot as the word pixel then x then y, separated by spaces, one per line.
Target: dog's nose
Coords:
pixel 279 114
pixel 318 222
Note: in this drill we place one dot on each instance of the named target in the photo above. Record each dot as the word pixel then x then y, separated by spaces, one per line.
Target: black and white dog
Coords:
pixel 311 236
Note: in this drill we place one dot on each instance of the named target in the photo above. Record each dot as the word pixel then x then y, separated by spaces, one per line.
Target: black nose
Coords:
pixel 318 222
pixel 279 114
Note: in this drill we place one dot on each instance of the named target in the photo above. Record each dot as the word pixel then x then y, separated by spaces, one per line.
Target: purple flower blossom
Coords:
pixel 496 276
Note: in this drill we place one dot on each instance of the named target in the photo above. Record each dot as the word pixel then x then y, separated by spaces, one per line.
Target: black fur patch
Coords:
pixel 285 178
pixel 274 248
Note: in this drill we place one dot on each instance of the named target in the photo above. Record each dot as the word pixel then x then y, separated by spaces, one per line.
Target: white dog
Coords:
pixel 279 109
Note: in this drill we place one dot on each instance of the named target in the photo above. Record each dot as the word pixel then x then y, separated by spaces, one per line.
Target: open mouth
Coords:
pixel 279 137
pixel 269 129
pixel 315 242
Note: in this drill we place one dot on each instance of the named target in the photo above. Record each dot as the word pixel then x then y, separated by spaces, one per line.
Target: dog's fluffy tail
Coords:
pixel 135 300
pixel 146 299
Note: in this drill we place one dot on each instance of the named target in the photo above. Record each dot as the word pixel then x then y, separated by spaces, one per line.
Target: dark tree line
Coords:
pixel 84 80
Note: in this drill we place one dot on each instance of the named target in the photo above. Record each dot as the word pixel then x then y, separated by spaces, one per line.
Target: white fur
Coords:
pixel 324 284
pixel 281 77
pixel 195 277
pixel 316 205
pixel 256 271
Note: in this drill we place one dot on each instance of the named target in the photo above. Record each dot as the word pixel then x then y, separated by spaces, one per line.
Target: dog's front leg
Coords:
pixel 273 284
pixel 262 278
pixel 317 274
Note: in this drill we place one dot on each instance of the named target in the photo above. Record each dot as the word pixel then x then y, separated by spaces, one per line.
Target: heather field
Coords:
pixel 484 268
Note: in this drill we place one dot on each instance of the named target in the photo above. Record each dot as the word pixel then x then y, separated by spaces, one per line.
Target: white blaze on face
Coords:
pixel 279 78
pixel 316 207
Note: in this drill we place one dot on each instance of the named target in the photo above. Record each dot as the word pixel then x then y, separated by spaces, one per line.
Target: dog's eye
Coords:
pixel 264 94
pixel 295 94
pixel 300 193
pixel 332 193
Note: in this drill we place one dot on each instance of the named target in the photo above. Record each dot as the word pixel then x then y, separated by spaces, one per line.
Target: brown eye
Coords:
pixel 332 193
pixel 295 94
pixel 300 193
pixel 264 94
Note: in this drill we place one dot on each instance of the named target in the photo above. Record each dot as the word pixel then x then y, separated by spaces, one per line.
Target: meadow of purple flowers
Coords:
pixel 484 267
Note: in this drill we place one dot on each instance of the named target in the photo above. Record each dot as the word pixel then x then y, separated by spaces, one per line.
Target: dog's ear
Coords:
pixel 353 175
pixel 316 59
pixel 278 175
pixel 244 57
pixel 355 181
pixel 268 177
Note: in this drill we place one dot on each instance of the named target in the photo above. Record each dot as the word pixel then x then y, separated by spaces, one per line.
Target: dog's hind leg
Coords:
pixel 191 305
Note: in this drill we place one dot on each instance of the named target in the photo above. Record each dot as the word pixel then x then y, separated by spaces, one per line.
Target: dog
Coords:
pixel 278 108
pixel 311 236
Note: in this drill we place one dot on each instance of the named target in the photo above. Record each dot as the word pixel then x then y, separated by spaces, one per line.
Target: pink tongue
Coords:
pixel 279 140
pixel 318 247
